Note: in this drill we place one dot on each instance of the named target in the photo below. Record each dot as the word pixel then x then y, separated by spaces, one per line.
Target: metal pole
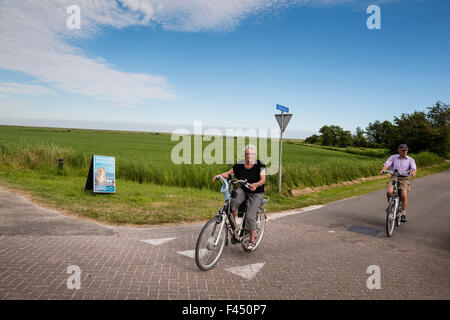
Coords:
pixel 281 151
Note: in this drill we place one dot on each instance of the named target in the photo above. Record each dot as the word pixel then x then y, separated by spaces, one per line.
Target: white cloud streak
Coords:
pixel 34 39
pixel 27 89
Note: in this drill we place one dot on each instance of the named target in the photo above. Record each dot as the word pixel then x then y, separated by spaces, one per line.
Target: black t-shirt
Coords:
pixel 252 175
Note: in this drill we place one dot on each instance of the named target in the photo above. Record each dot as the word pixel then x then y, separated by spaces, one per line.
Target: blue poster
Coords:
pixel 104 174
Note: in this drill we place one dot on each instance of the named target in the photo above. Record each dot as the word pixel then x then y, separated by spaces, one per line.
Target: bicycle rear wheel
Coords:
pixel 207 254
pixel 390 218
pixel 260 228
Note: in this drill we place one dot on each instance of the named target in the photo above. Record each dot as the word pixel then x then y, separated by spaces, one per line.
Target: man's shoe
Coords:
pixel 251 245
pixel 403 219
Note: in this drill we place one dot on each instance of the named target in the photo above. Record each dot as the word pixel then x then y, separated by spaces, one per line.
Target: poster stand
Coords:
pixel 90 178
pixel 102 175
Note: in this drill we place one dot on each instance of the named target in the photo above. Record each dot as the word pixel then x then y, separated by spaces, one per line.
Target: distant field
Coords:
pixel 153 190
pixel 145 157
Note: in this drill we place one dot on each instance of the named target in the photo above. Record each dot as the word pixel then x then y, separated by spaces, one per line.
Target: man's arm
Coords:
pixel 413 167
pixel 261 182
pixel 387 164
pixel 225 174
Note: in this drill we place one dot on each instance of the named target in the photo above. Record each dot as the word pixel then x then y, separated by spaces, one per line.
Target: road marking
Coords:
pixel 191 253
pixel 247 271
pixel 289 213
pixel 157 242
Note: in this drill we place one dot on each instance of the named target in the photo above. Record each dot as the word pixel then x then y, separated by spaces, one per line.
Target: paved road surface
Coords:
pixel 309 255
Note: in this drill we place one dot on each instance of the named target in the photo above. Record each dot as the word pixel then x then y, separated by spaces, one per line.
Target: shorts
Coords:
pixel 254 201
pixel 404 183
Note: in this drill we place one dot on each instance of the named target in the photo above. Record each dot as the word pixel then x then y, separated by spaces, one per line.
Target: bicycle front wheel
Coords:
pixel 210 244
pixel 390 218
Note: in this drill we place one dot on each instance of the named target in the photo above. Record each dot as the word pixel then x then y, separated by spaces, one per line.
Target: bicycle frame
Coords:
pixel 396 196
pixel 218 241
pixel 225 213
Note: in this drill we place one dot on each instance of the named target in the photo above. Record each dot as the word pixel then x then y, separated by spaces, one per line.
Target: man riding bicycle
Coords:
pixel 403 164
pixel 255 172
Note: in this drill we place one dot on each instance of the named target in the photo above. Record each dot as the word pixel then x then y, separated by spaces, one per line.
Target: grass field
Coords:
pixel 150 188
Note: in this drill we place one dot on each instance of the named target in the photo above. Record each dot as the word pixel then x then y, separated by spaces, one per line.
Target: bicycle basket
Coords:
pixel 225 190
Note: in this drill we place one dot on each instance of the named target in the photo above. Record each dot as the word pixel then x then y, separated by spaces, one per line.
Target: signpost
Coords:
pixel 283 121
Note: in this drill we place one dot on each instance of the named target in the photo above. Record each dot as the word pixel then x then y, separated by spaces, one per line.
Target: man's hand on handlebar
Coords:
pixel 253 186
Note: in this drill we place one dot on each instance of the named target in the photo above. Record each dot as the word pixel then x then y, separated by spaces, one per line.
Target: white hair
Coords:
pixel 248 147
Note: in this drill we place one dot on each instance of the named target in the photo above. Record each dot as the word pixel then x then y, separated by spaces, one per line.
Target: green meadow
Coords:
pixel 151 189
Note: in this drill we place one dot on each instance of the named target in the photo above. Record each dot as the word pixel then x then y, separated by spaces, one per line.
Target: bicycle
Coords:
pixel 393 217
pixel 210 244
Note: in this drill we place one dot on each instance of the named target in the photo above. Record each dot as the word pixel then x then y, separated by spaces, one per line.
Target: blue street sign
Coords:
pixel 281 108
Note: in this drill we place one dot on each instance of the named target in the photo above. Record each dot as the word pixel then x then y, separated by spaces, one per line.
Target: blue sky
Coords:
pixel 228 65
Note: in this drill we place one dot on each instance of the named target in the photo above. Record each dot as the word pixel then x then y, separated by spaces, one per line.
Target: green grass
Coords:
pixel 153 190
pixel 278 203
pixel 149 204
pixel 370 152
pixel 131 204
pixel 145 158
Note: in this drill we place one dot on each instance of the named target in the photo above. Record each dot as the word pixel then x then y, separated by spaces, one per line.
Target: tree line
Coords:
pixel 421 131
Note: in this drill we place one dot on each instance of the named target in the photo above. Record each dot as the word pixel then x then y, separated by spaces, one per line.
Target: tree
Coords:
pixel 335 136
pixel 328 135
pixel 415 130
pixel 424 131
pixel 359 139
pixel 313 139
pixel 343 138
pixel 439 117
pixel 380 132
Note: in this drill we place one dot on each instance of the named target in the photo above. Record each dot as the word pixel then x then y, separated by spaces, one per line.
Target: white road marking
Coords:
pixel 248 271
pixel 191 253
pixel 157 242
pixel 288 213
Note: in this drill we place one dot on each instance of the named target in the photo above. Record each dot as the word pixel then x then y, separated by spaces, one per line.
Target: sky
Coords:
pixel 155 65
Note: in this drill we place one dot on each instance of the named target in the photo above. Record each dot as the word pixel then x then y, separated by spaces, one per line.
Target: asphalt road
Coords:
pixel 309 255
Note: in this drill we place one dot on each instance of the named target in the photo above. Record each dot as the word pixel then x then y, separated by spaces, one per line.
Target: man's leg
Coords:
pixel 236 202
pixel 404 200
pixel 389 191
pixel 254 201
pixel 405 186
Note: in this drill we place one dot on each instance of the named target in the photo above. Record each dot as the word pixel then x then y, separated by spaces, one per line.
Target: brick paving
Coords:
pixel 303 260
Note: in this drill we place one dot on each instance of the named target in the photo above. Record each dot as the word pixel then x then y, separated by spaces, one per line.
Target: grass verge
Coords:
pixel 150 204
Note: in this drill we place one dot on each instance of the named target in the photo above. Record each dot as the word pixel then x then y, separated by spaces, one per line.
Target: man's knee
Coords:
pixel 404 195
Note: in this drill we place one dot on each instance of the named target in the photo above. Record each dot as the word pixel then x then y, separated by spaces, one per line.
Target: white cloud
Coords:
pixel 6 103
pixel 19 88
pixel 34 39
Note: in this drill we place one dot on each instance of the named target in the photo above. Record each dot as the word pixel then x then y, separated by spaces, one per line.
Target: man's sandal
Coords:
pixel 251 245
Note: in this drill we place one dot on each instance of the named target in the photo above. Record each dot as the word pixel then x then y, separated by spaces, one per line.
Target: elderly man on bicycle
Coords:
pixel 255 172
pixel 403 164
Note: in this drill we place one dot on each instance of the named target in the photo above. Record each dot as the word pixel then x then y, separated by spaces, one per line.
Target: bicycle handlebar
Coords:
pixel 396 172
pixel 245 183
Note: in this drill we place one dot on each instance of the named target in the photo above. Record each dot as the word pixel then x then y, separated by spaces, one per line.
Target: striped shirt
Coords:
pixel 401 164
